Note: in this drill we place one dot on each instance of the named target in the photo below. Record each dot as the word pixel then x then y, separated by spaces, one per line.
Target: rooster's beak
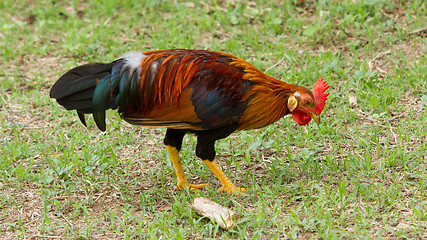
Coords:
pixel 315 118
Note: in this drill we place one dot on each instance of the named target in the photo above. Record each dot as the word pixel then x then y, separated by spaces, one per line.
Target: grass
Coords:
pixel 361 174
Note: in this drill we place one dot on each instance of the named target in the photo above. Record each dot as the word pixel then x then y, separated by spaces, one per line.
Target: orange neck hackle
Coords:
pixel 268 103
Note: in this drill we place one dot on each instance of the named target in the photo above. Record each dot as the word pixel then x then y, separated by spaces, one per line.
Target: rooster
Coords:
pixel 207 93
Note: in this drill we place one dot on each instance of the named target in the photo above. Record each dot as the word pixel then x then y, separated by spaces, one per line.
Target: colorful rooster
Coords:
pixel 206 93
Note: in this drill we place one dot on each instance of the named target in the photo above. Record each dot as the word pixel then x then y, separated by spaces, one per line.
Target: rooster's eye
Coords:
pixel 307 102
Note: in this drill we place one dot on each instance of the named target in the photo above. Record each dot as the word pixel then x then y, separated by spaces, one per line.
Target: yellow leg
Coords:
pixel 227 185
pixel 180 175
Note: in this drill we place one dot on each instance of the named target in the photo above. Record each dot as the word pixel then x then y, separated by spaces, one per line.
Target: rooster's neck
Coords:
pixel 267 103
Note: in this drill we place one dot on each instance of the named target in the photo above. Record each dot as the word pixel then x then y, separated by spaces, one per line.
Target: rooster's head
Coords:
pixel 306 105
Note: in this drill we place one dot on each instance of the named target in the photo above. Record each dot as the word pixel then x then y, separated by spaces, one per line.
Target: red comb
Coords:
pixel 319 89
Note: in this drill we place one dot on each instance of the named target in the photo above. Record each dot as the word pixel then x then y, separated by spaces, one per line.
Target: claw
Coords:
pixel 232 189
pixel 189 186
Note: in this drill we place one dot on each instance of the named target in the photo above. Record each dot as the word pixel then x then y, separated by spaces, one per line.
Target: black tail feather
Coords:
pixel 74 90
pixel 96 87
pixel 82 118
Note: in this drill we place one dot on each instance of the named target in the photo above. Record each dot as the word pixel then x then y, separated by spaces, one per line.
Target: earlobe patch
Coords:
pixel 292 103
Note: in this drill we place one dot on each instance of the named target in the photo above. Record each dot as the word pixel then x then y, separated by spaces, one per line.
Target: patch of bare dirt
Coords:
pixel 26 208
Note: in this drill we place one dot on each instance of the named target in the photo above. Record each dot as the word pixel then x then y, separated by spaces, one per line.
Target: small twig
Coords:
pixel 240 205
pixel 4 100
pixel 380 55
pixel 44 236
pixel 423 29
pixel 99 196
pixel 107 20
pixel 275 64
pixel 395 137
pixel 356 37
pixel 360 156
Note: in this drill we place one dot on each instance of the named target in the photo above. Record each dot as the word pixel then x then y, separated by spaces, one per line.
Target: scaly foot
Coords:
pixel 182 180
pixel 227 185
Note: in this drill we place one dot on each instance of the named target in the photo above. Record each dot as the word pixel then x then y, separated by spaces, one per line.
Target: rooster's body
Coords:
pixel 210 94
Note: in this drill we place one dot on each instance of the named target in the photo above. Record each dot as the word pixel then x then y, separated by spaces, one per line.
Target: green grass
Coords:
pixel 361 174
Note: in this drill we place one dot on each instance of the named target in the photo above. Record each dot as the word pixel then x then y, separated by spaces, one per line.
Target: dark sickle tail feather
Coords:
pixel 89 88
